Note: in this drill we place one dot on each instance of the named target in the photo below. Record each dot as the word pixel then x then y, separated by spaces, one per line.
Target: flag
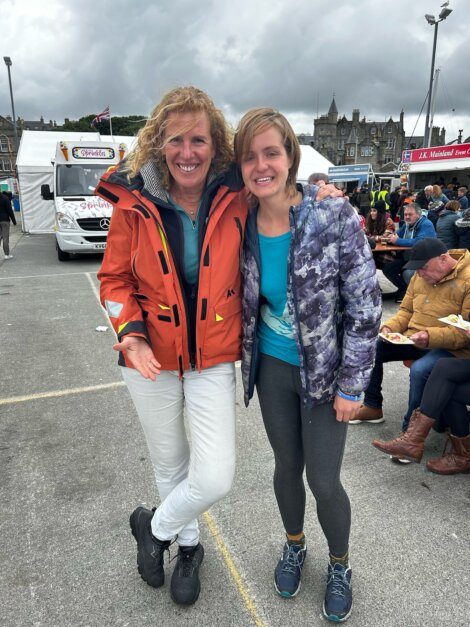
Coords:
pixel 105 115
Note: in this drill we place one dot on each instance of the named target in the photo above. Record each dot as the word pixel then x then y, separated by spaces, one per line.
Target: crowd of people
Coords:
pixel 432 276
pixel 216 253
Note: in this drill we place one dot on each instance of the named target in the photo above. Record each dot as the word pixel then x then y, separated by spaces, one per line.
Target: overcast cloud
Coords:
pixel 74 57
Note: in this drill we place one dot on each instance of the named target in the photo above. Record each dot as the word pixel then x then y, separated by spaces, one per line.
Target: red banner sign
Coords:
pixel 436 153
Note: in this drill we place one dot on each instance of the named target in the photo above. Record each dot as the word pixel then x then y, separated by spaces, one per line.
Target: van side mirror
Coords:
pixel 46 192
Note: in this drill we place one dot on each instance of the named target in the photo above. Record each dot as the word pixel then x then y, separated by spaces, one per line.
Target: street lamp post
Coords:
pixel 445 12
pixel 8 64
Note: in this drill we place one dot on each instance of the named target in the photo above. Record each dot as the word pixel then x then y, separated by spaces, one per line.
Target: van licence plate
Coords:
pixel 99 246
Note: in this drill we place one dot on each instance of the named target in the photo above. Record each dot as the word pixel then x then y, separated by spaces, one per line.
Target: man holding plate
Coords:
pixel 440 286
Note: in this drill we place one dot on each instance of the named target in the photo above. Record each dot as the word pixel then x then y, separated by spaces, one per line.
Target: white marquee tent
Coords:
pixel 37 150
pixel 311 161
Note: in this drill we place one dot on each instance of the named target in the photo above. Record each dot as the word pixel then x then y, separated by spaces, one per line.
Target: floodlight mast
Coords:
pixel 431 20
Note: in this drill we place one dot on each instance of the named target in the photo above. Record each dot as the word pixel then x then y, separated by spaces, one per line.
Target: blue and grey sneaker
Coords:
pixel 338 597
pixel 289 569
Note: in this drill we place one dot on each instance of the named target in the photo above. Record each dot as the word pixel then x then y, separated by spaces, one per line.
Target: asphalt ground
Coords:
pixel 73 465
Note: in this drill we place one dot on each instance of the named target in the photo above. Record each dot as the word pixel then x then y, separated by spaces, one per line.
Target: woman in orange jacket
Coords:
pixel 170 283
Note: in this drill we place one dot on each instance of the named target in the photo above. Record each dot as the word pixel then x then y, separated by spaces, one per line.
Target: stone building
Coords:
pixel 346 142
pixel 8 150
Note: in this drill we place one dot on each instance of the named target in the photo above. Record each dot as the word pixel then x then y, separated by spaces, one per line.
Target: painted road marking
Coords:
pixel 57 393
pixel 40 276
pixel 237 578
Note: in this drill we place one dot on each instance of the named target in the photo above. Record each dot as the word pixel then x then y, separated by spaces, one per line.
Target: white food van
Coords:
pixel 81 219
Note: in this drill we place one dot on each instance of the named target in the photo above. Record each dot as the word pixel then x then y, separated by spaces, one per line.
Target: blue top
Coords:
pixel 275 332
pixel 190 243
pixel 463 200
pixel 408 236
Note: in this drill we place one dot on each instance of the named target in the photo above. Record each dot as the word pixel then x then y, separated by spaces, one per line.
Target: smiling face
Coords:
pixel 265 166
pixel 188 150
pixel 373 214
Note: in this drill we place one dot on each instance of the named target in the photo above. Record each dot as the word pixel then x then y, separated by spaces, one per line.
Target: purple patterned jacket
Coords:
pixel 332 296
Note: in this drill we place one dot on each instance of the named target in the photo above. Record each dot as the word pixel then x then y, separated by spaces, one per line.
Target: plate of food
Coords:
pixel 456 321
pixel 395 338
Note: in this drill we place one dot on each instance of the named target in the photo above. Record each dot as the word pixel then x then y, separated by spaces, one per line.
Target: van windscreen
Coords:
pixel 81 180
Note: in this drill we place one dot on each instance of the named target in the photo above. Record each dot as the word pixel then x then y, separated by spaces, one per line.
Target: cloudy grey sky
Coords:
pixel 73 57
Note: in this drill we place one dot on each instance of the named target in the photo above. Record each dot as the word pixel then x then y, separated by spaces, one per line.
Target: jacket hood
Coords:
pixel 463 223
pixel 461 256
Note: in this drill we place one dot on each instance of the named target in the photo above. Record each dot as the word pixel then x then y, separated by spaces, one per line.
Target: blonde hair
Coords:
pixel 151 138
pixel 436 190
pixel 258 120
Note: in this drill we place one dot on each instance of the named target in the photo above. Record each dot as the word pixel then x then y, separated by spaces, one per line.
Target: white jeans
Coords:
pixel 188 482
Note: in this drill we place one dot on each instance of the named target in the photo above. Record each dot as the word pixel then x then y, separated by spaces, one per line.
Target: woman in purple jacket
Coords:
pixel 311 314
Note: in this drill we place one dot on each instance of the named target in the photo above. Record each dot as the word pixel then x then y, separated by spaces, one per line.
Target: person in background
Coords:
pixel 7 215
pixel 434 211
pixel 394 201
pixel 445 226
pixel 462 228
pixel 449 191
pixel 378 222
pixel 318 178
pixel 443 406
pixel 424 197
pixel 416 227
pixel 364 199
pixel 354 198
pixel 440 286
pixel 297 303
pixel 438 195
pixel 379 226
pixel 462 198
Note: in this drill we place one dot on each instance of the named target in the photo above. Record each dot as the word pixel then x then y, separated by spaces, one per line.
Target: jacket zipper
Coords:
pixel 295 302
pixel 254 350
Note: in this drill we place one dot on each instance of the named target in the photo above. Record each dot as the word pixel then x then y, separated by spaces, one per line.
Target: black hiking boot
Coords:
pixel 185 584
pixel 150 550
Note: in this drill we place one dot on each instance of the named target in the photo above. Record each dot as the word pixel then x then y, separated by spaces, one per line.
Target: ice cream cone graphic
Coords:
pixel 122 150
pixel 65 150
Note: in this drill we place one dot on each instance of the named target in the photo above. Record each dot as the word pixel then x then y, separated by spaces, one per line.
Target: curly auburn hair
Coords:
pixel 258 120
pixel 151 139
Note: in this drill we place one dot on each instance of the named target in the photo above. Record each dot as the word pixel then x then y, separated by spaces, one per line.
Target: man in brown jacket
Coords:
pixel 440 286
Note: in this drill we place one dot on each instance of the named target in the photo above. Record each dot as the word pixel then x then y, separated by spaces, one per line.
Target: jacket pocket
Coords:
pixel 223 330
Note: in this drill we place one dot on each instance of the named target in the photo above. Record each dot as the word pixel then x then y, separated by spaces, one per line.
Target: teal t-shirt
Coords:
pixel 275 332
pixel 191 242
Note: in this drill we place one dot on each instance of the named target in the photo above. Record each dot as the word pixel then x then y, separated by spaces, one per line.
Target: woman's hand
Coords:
pixel 141 356
pixel 327 190
pixel 345 410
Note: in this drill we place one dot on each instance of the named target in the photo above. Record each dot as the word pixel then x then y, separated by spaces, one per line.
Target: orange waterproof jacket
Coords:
pixel 141 287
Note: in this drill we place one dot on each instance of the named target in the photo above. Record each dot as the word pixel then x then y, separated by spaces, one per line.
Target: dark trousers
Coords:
pixel 424 361
pixel 447 393
pixel 394 272
pixel 5 236
pixel 304 438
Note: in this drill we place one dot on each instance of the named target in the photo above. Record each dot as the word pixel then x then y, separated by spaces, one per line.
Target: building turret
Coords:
pixel 333 111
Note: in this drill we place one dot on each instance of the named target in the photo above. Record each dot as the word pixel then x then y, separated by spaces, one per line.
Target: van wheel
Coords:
pixel 61 254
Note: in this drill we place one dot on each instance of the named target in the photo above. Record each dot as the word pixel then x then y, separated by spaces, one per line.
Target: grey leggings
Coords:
pixel 310 438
